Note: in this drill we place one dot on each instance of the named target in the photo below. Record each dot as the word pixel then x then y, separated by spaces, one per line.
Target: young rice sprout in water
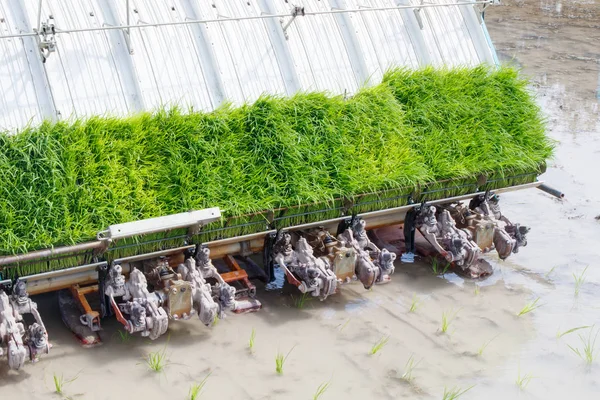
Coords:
pixel 414 304
pixel 455 392
pixel 321 390
pixel 523 380
pixel 529 307
pixel 447 318
pixel 280 360
pixel 196 389
pixel 380 344
pixel 588 351
pixel 409 367
pixel 251 340
pixel 579 280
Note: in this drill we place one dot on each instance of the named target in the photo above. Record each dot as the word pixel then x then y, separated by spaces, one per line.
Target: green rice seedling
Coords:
pixel 560 334
pixel 157 360
pixel 280 361
pixel 588 351
pixel 579 280
pixel 60 383
pixel 321 390
pixel 215 320
pixel 547 274
pixel 301 301
pixel 344 325
pixel 529 307
pixel 380 344
pixel 447 318
pixel 408 369
pixel 251 340
pixel 455 392
pixel 485 345
pixel 124 336
pixel 414 303
pixel 523 380
pixel 477 290
pixel 196 389
pixel 435 266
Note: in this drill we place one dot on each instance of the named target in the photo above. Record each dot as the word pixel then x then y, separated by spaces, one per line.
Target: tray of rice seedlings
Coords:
pixel 383 199
pixel 469 121
pixel 420 135
pixel 512 177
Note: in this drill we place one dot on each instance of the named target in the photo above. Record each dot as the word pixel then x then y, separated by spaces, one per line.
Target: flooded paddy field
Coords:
pixel 486 346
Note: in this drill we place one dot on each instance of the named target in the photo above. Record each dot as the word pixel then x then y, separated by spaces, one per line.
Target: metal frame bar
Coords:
pixel 258 17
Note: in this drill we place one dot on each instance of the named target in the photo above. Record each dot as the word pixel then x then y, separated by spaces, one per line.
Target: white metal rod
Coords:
pixel 128 18
pixel 39 16
pixel 257 17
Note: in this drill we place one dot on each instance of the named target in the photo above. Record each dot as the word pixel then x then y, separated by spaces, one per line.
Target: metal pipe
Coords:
pixel 62 279
pixel 48 253
pixel 62 272
pixel 550 190
pixel 39 16
pixel 237 239
pixel 257 17
pixel 128 18
pixel 153 254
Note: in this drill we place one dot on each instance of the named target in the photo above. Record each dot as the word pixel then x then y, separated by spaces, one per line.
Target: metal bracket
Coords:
pixel 296 11
pixel 245 248
pixel 47 39
pixel 481 11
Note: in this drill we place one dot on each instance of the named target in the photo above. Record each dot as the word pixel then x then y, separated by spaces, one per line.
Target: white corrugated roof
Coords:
pixel 201 65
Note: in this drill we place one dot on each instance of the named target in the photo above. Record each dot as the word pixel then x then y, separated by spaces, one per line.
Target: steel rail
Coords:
pixel 257 17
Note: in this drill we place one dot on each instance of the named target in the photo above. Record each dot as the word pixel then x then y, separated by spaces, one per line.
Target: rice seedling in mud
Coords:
pixel 157 361
pixel 408 369
pixel 124 336
pixel 380 344
pixel 447 318
pixel 477 290
pixel 414 303
pixel 588 351
pixel 547 274
pixel 63 182
pixel 560 334
pixel 579 280
pixel 455 393
pixel 321 390
pixel 60 383
pixel 280 360
pixel 301 301
pixel 529 307
pixel 523 380
pixel 196 389
pixel 484 346
pixel 344 325
pixel 251 340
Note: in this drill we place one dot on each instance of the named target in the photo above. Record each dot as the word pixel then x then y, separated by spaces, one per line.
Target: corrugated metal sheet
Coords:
pixel 202 65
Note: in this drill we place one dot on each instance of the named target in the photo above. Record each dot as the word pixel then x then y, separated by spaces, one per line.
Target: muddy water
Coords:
pixel 558 45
